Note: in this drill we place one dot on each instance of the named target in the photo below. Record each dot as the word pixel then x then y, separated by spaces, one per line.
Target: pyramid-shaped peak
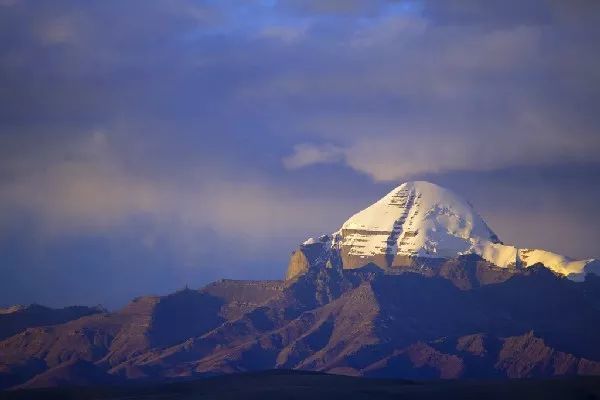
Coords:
pixel 417 218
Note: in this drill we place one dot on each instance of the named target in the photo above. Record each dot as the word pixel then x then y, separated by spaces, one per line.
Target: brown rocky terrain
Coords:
pixel 456 318
pixel 18 318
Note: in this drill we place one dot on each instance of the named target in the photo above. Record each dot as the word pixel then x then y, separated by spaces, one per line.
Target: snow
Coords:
pixel 421 219
pixel 309 241
pixel 416 218
pixel 505 256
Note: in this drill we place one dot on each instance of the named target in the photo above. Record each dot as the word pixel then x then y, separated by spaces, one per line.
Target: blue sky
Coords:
pixel 146 145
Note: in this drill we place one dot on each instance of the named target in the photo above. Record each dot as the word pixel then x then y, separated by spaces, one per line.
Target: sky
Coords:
pixel 151 144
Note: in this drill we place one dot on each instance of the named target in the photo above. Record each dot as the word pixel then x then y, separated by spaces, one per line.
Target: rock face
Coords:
pixel 422 220
pixel 298 265
pixel 313 254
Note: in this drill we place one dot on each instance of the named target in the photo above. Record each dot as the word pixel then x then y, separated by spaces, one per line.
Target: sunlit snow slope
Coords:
pixel 421 219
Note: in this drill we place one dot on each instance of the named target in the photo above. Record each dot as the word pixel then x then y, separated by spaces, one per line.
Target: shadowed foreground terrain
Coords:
pixel 460 318
pixel 285 384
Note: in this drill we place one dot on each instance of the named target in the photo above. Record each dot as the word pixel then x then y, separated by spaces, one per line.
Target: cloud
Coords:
pixel 60 30
pixel 452 98
pixel 305 155
pixel 88 188
pixel 287 34
pixel 391 91
pixel 334 7
pixel 395 150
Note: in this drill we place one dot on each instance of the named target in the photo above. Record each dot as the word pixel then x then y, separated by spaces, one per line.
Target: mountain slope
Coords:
pixel 452 318
pixel 109 339
pixel 18 318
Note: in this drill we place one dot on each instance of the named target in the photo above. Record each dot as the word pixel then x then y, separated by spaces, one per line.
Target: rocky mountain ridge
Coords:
pixel 16 318
pixel 458 318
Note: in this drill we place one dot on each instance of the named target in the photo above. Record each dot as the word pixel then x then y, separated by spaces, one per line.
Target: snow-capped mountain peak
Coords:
pixel 417 219
pixel 423 220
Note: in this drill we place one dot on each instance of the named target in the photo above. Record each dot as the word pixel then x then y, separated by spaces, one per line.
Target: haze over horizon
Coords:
pixel 145 146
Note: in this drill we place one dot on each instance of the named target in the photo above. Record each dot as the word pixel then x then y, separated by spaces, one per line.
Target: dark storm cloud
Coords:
pixel 187 128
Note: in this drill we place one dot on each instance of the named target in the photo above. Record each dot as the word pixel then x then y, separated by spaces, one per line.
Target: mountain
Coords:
pixel 422 220
pixel 400 291
pixel 17 318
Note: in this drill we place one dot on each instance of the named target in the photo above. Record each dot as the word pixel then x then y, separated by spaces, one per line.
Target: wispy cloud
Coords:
pixel 88 188
pixel 306 154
